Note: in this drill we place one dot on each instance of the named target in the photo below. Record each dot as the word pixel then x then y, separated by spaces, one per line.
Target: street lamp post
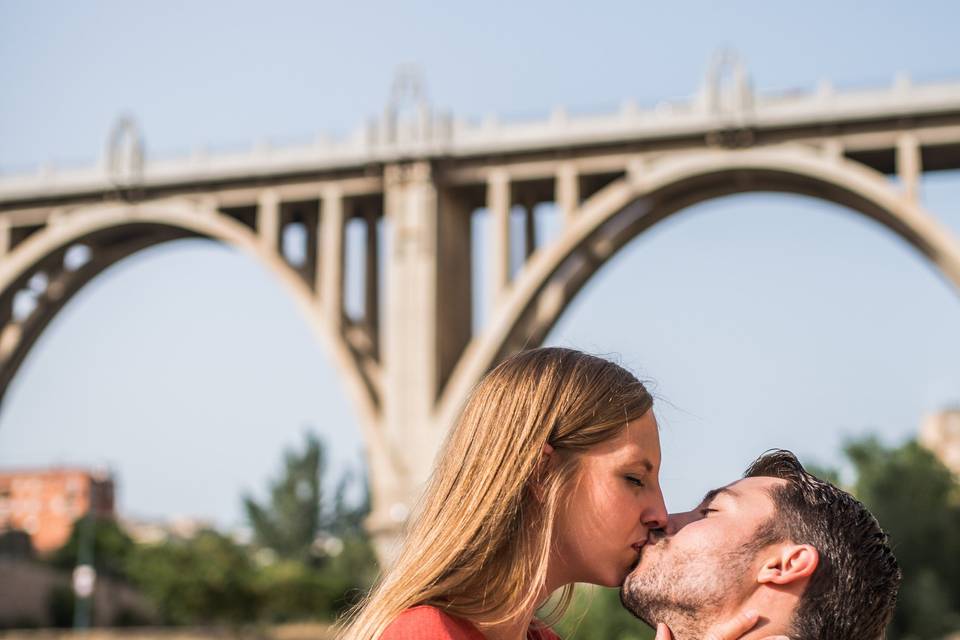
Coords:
pixel 84 574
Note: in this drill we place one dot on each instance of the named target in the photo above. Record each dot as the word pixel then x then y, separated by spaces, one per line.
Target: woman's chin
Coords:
pixel 612 579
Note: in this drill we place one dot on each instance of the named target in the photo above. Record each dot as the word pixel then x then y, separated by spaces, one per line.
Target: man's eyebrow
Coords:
pixel 709 496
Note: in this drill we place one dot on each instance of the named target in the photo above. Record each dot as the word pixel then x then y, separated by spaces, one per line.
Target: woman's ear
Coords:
pixel 546 455
pixel 793 562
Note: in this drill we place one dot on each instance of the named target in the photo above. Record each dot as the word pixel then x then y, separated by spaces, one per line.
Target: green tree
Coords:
pixel 111 547
pixel 325 560
pixel 290 521
pixel 917 501
pixel 202 580
pixel 596 613
pixel 350 571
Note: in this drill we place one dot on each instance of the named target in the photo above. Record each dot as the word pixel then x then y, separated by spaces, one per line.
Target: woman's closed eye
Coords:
pixel 704 511
pixel 635 481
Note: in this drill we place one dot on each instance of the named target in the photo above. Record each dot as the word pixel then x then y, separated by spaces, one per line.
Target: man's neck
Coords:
pixel 776 609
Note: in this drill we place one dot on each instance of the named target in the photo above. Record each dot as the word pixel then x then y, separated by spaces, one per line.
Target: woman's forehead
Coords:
pixel 637 445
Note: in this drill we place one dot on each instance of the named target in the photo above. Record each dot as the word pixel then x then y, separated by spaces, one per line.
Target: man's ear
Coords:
pixel 792 562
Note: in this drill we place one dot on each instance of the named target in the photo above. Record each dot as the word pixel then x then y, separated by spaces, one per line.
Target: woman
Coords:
pixel 548 478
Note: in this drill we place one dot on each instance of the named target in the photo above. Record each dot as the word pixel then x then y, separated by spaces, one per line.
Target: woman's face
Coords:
pixel 613 501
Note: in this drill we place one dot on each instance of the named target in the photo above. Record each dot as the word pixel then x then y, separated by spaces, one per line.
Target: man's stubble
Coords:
pixel 687 591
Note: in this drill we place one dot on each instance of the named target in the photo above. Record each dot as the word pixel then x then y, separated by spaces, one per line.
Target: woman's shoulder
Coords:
pixel 425 622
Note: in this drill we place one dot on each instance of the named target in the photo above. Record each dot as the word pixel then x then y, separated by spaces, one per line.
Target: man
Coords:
pixel 806 555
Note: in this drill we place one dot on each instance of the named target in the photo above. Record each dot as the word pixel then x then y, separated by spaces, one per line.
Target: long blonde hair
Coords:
pixel 479 541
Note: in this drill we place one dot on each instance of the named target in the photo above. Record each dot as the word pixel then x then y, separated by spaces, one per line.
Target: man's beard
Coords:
pixel 685 590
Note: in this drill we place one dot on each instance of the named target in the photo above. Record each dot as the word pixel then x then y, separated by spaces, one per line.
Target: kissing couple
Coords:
pixel 550 477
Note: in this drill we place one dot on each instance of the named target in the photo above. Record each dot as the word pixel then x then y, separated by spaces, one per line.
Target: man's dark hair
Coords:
pixel 852 593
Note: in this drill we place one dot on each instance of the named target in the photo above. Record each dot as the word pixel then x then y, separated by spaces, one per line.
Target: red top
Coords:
pixel 430 623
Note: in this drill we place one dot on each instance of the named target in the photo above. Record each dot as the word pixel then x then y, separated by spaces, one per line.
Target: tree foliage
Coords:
pixel 917 501
pixel 310 558
pixel 596 613
pixel 205 579
pixel 111 546
pixel 290 521
pixel 326 559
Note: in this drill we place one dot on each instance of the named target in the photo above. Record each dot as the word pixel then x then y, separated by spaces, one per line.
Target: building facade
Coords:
pixel 940 433
pixel 46 502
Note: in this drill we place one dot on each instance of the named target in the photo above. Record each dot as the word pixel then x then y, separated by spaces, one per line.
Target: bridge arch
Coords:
pixel 113 231
pixel 652 191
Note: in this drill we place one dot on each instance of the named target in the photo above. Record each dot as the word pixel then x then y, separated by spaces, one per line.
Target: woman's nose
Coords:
pixel 656 516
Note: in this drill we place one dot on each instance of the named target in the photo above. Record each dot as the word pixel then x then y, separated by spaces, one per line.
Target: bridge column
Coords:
pixel 330 264
pixel 909 165
pixel 409 354
pixel 268 219
pixel 498 203
pixel 567 192
pixel 4 236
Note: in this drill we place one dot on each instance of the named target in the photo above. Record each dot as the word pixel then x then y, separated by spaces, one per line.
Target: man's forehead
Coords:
pixel 754 490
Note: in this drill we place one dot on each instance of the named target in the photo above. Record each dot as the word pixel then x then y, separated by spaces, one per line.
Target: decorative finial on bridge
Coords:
pixel 408 87
pixel 125 154
pixel 408 116
pixel 727 87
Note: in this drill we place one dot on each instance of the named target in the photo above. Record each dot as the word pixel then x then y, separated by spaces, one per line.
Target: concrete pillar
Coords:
pixel 498 203
pixel 409 353
pixel 909 165
pixel 268 219
pixel 567 192
pixel 330 264
pixel 4 236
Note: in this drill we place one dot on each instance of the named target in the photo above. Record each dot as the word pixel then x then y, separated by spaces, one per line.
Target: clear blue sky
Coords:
pixel 763 320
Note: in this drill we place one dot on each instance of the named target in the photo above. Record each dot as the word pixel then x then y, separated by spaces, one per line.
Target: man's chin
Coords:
pixel 627 603
pixel 650 557
pixel 641 591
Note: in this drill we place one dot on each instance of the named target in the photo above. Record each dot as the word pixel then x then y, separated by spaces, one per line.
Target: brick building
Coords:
pixel 46 502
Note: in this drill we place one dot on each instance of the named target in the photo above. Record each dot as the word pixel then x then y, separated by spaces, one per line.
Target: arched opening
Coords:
pixel 630 205
pixel 188 369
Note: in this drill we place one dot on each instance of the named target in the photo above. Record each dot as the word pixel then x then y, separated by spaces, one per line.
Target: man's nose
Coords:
pixel 677 521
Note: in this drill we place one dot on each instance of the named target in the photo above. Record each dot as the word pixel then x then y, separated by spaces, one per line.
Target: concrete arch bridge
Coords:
pixel 414 184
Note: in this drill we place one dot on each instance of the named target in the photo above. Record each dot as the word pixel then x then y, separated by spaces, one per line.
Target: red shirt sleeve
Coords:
pixel 430 623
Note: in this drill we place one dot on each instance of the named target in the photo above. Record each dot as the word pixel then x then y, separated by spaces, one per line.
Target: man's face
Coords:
pixel 705 565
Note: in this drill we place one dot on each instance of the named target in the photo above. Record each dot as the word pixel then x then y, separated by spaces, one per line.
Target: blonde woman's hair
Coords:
pixel 478 544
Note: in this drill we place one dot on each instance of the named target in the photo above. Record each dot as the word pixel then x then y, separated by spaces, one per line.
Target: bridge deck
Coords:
pixel 865 124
